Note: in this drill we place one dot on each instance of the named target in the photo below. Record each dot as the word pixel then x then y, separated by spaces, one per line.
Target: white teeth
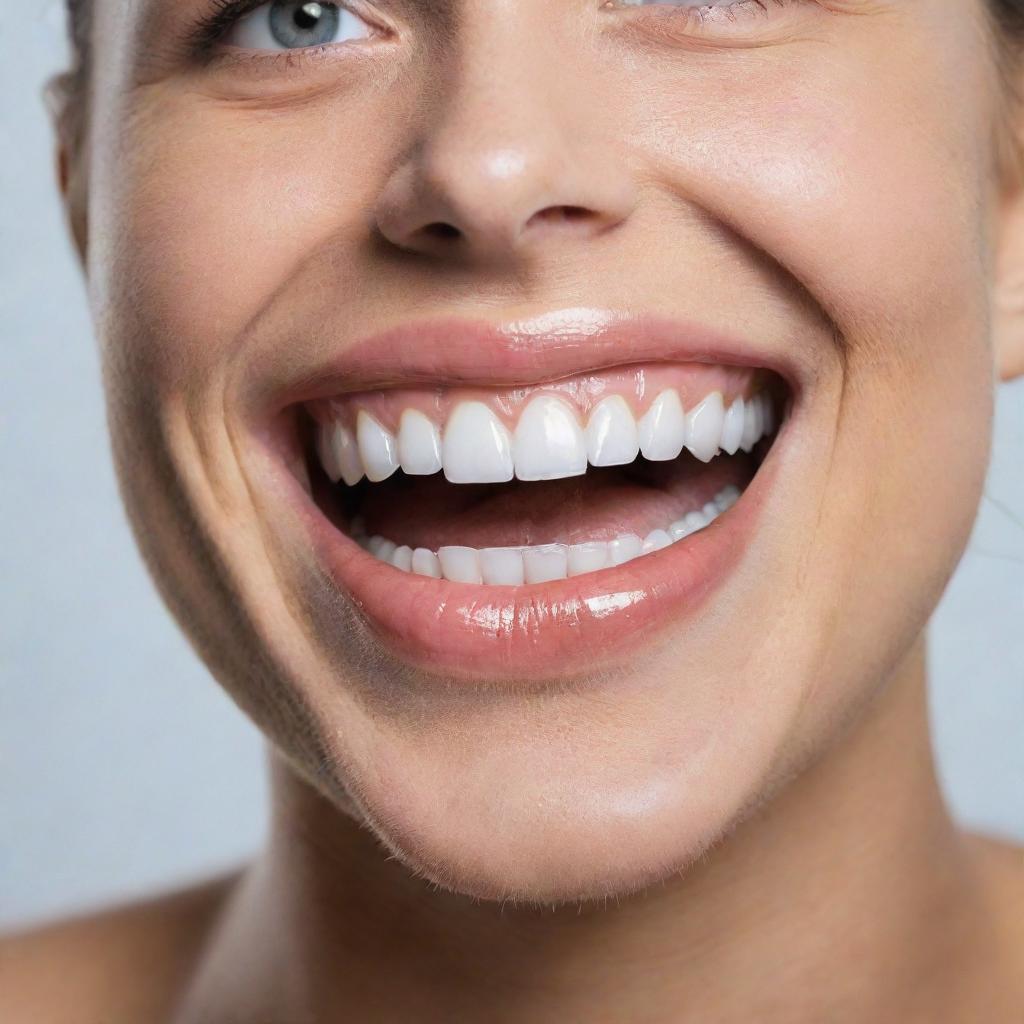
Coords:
pixel 460 565
pixel 502 566
pixel 624 548
pixel 419 444
pixel 696 520
pixel 477 447
pixel 426 563
pixel 514 566
pixel 612 437
pixel 726 498
pixel 548 442
pixel 663 428
pixel 377 448
pixel 339 454
pixel 382 548
pixel 678 530
pixel 704 427
pixel 545 563
pixel 325 450
pixel 587 557
pixel 732 429
pixel 656 540
pixel 401 558
pixel 750 425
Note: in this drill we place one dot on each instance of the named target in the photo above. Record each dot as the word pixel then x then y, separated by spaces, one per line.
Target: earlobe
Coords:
pixel 68 159
pixel 72 190
pixel 1008 290
pixel 1008 271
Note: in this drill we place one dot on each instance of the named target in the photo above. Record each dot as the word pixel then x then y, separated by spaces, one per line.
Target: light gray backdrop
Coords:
pixel 122 766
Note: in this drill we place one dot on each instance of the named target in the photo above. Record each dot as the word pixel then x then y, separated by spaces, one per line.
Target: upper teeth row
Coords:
pixel 548 442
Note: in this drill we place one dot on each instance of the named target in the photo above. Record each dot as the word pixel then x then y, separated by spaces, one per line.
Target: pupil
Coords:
pixel 308 15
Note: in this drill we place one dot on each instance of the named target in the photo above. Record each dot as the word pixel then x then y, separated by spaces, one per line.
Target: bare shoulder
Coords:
pixel 123 963
pixel 1001 866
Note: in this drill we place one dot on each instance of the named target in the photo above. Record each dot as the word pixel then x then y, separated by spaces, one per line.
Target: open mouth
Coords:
pixel 528 500
pixel 532 484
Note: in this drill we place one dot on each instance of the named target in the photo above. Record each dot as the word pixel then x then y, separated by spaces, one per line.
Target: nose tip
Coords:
pixel 498 202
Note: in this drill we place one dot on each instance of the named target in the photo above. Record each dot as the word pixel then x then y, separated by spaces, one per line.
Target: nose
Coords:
pixel 506 158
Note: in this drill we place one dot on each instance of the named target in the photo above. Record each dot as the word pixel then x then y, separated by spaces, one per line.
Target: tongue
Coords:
pixel 429 512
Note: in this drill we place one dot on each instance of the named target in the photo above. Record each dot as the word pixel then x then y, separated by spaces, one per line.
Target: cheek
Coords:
pixel 862 177
pixel 214 212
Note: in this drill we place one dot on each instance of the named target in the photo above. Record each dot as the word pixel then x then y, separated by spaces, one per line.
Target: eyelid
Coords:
pixel 256 23
pixel 743 23
pixel 206 36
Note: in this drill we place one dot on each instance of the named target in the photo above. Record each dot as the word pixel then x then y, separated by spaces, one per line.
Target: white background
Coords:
pixel 122 766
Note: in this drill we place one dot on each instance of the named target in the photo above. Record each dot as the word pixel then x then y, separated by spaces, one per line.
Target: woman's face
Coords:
pixel 441 209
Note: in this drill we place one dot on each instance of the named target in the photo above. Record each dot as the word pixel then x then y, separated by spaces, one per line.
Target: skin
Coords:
pixel 713 831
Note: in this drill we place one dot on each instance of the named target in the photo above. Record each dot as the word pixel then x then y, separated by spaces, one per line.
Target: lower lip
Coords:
pixel 541 631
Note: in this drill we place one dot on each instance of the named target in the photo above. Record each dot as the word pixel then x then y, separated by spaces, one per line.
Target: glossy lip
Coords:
pixel 539 631
pixel 453 351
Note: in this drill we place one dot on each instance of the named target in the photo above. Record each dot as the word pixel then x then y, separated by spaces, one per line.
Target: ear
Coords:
pixel 1008 286
pixel 69 160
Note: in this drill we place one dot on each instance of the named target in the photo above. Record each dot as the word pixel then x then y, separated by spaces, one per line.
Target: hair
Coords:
pixel 67 92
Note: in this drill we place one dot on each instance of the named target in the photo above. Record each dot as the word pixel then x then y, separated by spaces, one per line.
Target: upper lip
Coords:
pixel 452 351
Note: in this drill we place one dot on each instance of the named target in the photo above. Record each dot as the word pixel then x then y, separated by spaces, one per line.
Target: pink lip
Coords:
pixel 539 631
pixel 452 351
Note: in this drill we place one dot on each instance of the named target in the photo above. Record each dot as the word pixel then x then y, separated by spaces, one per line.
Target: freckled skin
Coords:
pixel 823 180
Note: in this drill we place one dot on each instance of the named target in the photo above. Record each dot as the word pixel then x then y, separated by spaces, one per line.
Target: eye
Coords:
pixel 293 24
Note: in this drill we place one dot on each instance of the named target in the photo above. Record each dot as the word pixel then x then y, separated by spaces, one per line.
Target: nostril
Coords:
pixel 441 229
pixel 561 214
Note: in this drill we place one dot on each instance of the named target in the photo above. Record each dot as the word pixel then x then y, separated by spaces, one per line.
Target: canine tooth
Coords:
pixel 548 442
pixel 460 565
pixel 655 541
pixel 339 454
pixel 426 563
pixel 477 448
pixel 401 558
pixel 624 548
pixel 377 447
pixel 587 557
pixel 704 427
pixel 545 562
pixel 749 437
pixel 732 429
pixel 326 451
pixel 662 428
pixel 502 566
pixel 612 436
pixel 419 444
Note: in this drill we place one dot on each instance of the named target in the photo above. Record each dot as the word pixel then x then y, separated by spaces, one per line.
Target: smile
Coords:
pixel 561 431
pixel 483 523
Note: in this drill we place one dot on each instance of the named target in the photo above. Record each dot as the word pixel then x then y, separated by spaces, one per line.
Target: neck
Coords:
pixel 825 898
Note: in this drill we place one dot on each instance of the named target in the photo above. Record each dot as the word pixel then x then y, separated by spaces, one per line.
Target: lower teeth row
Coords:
pixel 545 562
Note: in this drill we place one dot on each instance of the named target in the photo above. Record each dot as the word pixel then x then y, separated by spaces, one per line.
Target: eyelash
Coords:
pixel 207 32
pixel 693 20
